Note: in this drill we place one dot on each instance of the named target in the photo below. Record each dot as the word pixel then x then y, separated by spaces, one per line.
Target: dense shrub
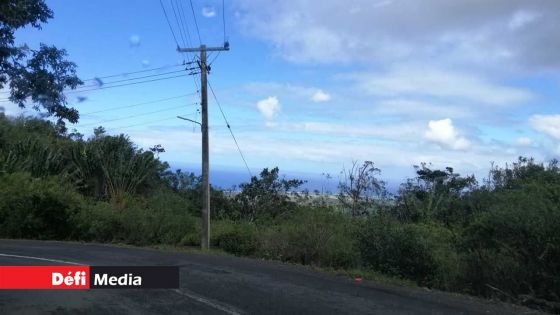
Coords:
pixel 97 221
pixel 36 208
pixel 514 247
pixel 141 223
pixel 313 235
pixel 238 238
pixel 421 252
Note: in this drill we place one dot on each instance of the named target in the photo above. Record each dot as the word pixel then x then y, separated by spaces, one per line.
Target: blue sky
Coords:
pixel 310 86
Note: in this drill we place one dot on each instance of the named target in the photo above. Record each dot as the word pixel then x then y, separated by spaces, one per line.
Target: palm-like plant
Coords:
pixel 112 167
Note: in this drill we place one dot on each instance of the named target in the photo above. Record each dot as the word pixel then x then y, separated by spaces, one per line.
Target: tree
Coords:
pixel 112 167
pixel 36 77
pixel 433 193
pixel 267 196
pixel 360 189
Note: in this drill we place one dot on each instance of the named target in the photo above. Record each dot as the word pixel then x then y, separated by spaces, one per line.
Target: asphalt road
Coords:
pixel 212 284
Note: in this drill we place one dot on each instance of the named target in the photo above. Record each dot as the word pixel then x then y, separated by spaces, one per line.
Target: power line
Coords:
pixel 229 128
pixel 126 84
pixel 139 104
pixel 131 79
pixel 179 26
pixel 168 23
pixel 94 87
pixel 124 74
pixel 133 116
pixel 134 72
pixel 215 57
pixel 195 23
pixel 183 16
pixel 112 86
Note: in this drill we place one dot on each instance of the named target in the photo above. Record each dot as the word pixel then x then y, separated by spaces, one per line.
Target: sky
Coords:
pixel 311 86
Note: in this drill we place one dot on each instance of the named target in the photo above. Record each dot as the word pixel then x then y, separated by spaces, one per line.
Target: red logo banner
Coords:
pixel 45 277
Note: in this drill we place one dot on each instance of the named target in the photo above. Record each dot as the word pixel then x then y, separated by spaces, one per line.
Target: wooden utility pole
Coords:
pixel 205 237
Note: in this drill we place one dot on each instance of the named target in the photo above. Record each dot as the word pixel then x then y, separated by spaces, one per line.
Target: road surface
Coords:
pixel 212 284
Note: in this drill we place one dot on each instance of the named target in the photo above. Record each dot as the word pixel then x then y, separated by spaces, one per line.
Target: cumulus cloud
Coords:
pixel 443 133
pixel 269 107
pixel 208 12
pixel 320 96
pixel 547 124
pixel 515 32
pixel 524 141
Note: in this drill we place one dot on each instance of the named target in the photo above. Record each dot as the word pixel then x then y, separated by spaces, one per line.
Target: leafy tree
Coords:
pixel 433 194
pixel 267 196
pixel 36 77
pixel 523 172
pixel 360 189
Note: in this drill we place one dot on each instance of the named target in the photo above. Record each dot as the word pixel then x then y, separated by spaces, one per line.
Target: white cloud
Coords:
pixel 390 31
pixel 524 141
pixel 432 82
pixel 414 108
pixel 317 154
pixel 320 96
pixel 547 124
pixel 521 19
pixel 403 131
pixel 208 12
pixel 269 107
pixel 443 132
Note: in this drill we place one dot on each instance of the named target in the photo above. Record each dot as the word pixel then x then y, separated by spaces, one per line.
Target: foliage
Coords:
pixel 422 252
pixel 512 248
pixel 112 167
pixel 433 194
pixel 38 77
pixel 36 208
pixel 267 196
pixel 238 238
pixel 442 230
pixel 144 222
pixel 312 235
pixel 360 190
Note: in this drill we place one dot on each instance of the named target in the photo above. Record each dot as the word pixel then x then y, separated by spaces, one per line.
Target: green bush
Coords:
pixel 238 238
pixel 421 252
pixel 137 224
pixel 36 208
pixel 143 226
pixel 312 235
pixel 99 222
pixel 513 248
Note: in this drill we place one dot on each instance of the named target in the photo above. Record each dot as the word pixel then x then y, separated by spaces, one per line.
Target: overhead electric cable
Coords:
pixel 195 23
pixel 126 84
pixel 229 128
pixel 178 22
pixel 169 23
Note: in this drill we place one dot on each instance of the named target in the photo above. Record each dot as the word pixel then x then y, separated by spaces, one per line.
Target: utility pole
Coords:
pixel 205 237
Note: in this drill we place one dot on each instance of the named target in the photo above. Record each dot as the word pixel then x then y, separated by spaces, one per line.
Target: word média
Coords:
pixel 126 279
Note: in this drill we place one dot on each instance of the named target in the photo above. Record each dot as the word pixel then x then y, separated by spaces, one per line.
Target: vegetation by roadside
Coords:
pixel 498 239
